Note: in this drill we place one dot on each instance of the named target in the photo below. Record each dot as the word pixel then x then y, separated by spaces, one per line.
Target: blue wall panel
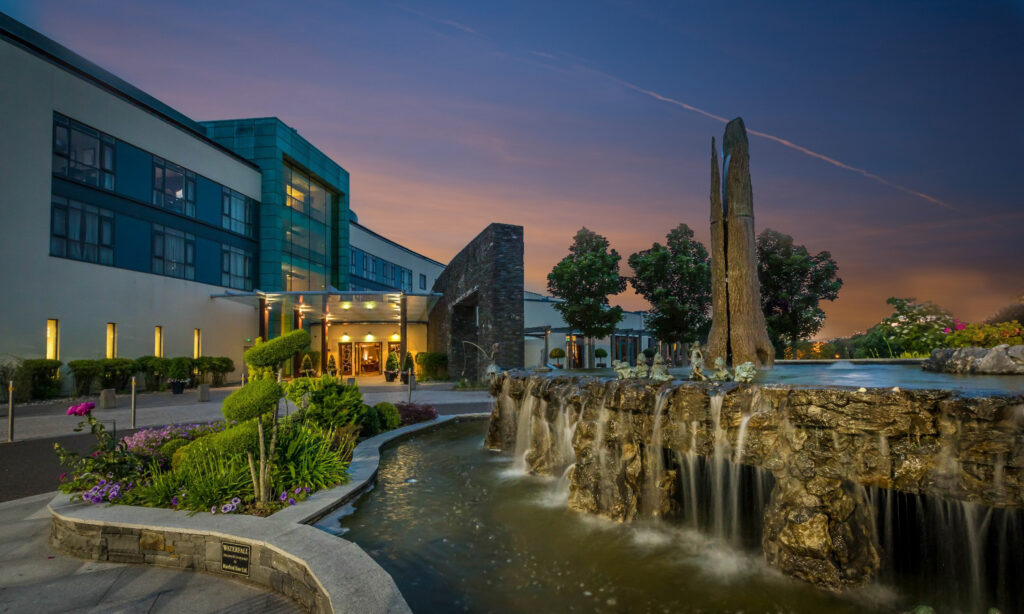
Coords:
pixel 208 201
pixel 134 176
pixel 207 261
pixel 132 241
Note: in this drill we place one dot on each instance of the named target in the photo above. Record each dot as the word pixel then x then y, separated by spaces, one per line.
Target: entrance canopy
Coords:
pixel 337 307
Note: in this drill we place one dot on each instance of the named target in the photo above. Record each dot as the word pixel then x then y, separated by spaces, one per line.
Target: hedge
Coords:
pixel 389 417
pixel 44 375
pixel 154 370
pixel 432 365
pixel 116 373
pixel 85 372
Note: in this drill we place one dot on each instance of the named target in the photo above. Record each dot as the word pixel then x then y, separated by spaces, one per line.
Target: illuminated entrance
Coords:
pixel 352 332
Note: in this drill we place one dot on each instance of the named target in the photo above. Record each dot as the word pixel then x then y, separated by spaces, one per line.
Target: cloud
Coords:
pixel 455 24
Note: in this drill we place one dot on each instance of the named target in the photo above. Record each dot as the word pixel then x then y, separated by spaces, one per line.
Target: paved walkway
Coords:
pixel 34 578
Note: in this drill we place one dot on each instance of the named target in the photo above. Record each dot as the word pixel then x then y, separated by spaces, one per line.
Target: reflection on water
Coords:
pixel 469 535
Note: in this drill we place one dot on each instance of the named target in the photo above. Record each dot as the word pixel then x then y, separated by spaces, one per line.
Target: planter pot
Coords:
pixel 390 376
pixel 405 377
pixel 601 365
pixel 177 387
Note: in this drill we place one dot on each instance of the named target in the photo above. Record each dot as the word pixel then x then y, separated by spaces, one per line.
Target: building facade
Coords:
pixel 118 218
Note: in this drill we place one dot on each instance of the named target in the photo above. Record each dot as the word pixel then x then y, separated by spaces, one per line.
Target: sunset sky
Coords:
pixel 891 133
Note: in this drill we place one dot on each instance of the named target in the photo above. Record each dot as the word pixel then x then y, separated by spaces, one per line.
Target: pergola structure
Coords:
pixel 332 307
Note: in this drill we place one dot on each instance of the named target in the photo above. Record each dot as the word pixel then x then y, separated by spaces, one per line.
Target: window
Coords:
pixel 174 188
pixel 53 339
pixel 307 240
pixel 423 281
pixel 82 153
pixel 236 268
pixel 367 266
pixel 197 343
pixel 237 212
pixel 81 232
pixel 111 339
pixel 174 253
pixel 158 341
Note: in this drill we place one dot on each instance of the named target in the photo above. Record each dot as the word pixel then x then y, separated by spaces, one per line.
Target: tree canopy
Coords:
pixel 676 280
pixel 793 284
pixel 583 280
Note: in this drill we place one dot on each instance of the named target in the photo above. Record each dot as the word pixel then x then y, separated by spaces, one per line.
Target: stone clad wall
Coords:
pixel 189 551
pixel 481 302
pixel 823 446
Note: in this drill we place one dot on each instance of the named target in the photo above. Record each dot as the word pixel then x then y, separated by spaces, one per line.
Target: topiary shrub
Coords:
pixel 557 354
pixel 314 361
pixel 332 365
pixel 116 373
pixel 601 353
pixel 44 375
pixel 411 413
pixel 85 372
pixel 370 421
pixel 408 364
pixel 203 366
pixel 239 439
pixel 180 369
pixel 392 362
pixel 154 370
pixel 254 399
pixel 326 401
pixel 390 419
pixel 167 450
pixel 649 353
pixel 307 366
pixel 265 358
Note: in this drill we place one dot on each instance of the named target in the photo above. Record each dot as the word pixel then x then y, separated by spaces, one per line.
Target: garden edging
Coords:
pixel 320 571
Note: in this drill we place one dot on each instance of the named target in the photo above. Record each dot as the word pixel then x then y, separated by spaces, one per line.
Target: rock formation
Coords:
pixel 738 329
pixel 999 360
pixel 819 449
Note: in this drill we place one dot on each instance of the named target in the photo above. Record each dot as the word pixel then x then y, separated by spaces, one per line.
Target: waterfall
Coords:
pixel 719 465
pixel 656 455
pixel 734 480
pixel 524 428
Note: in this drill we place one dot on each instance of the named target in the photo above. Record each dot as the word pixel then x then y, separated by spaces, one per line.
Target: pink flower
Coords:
pixel 946 330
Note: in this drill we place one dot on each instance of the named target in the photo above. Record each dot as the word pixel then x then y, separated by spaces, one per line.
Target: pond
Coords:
pixel 460 530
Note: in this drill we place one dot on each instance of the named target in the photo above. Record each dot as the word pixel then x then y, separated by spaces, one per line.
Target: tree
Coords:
pixel 676 280
pixel 583 280
pixel 793 284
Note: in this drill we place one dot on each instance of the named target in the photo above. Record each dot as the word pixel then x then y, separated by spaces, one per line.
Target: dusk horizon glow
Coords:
pixel 888 136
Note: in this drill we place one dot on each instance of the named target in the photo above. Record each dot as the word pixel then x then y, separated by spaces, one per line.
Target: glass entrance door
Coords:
pixel 368 358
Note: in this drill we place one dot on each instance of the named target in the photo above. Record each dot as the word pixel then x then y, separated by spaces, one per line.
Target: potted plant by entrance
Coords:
pixel 601 353
pixel 177 374
pixel 391 367
pixel 557 355
pixel 407 367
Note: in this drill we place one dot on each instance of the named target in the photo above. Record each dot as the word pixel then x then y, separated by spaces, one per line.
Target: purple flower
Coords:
pixel 213 509
pixel 227 508
pixel 291 501
pixel 305 489
pixel 284 495
pixel 298 490
pixel 236 501
pixel 174 501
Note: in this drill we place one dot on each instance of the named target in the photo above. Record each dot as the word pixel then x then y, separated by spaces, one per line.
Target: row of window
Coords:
pixel 371 267
pixel 87 155
pixel 85 232
pixel 53 340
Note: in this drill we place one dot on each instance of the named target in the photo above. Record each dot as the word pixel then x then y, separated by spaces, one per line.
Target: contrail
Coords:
pixel 779 140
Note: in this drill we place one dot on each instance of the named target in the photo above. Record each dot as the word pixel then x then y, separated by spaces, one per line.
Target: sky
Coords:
pixel 887 133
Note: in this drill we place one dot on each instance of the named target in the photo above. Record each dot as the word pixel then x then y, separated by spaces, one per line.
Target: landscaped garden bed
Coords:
pixel 254 461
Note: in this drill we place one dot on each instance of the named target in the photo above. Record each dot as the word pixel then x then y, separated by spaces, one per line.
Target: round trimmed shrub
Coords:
pixel 254 399
pixel 236 440
pixel 267 356
pixel 168 448
pixel 389 417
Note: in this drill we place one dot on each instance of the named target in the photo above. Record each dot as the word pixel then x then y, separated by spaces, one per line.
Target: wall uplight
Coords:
pixel 346 305
pixel 396 337
pixel 345 338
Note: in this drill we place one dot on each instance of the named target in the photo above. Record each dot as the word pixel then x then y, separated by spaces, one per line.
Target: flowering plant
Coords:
pixel 110 463
pixel 82 409
pixel 986 335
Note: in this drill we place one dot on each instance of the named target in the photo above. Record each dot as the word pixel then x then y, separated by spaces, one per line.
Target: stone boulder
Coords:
pixel 999 360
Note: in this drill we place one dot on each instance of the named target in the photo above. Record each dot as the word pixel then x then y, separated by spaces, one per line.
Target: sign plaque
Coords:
pixel 234 558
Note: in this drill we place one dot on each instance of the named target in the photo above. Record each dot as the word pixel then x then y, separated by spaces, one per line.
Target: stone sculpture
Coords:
pixel 697 364
pixel 622 369
pixel 721 372
pixel 738 329
pixel 641 366
pixel 745 372
pixel 659 370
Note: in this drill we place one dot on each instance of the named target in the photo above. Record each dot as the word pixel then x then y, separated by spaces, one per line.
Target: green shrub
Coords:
pixel 557 353
pixel 116 373
pixel 203 366
pixel 85 372
pixel 253 399
pixel 601 353
pixel 314 360
pixel 389 416
pixel 212 480
pixel 326 401
pixel 154 370
pixel 307 367
pixel 44 375
pixel 158 491
pixel 649 353
pixel 407 365
pixel 987 335
pixel 11 371
pixel 265 358
pixel 180 368
pixel 167 450
pixel 370 422
pixel 222 365
pixel 232 441
pixel 432 365
pixel 332 365
pixel 392 362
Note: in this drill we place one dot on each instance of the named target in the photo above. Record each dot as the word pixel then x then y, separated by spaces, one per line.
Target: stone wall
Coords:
pixel 482 303
pixel 1000 360
pixel 823 446
pixel 182 550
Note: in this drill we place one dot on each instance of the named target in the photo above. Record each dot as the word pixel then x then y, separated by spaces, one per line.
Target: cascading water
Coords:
pixel 524 429
pixel 654 495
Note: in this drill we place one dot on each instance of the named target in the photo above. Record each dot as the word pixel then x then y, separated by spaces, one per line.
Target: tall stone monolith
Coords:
pixel 738 329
